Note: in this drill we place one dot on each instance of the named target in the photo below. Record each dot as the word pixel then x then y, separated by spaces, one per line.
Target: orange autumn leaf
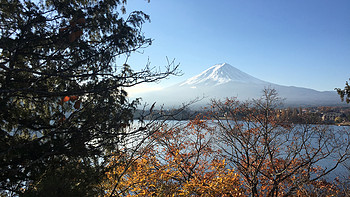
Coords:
pixel 66 98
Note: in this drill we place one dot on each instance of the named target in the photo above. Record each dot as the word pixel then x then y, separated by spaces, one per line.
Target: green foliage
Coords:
pixel 67 178
pixel 61 91
pixel 345 93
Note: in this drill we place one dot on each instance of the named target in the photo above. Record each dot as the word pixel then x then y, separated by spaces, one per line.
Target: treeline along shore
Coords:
pixel 297 115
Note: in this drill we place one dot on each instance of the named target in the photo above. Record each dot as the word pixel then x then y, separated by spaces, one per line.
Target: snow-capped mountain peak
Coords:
pixel 225 81
pixel 220 74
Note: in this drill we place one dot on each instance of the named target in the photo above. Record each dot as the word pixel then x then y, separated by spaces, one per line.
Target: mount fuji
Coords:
pixel 223 80
pixel 221 74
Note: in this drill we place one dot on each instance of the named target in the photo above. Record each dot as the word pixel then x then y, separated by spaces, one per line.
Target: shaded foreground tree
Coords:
pixel 62 99
pixel 245 151
pixel 275 158
pixel 180 160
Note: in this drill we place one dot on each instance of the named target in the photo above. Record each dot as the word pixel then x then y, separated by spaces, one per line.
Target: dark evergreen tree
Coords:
pixel 62 101
pixel 344 93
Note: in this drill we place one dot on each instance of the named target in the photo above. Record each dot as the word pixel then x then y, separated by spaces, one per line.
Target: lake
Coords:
pixel 336 133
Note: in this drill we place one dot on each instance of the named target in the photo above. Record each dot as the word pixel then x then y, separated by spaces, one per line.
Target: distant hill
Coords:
pixel 223 80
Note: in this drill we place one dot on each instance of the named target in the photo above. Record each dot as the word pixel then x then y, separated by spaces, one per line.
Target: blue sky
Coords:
pixel 303 43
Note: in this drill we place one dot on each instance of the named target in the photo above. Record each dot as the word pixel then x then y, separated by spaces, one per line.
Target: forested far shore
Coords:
pixel 311 115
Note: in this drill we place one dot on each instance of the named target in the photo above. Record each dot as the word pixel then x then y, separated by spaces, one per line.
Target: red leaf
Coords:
pixel 77 104
pixel 66 98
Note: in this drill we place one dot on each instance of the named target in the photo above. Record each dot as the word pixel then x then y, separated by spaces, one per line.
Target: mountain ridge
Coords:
pixel 223 80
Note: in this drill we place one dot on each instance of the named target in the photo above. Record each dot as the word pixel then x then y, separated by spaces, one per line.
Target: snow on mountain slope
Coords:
pixel 223 80
pixel 221 74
